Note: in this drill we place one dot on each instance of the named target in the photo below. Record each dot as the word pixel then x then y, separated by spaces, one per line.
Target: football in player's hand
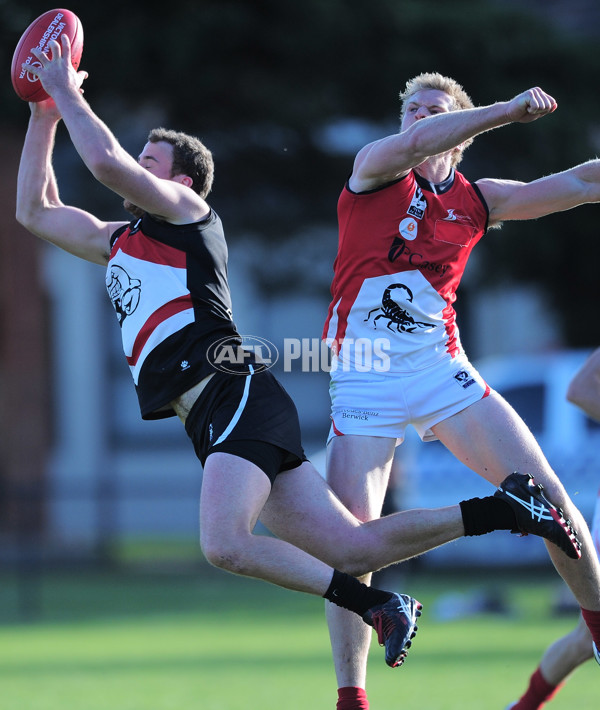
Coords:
pixel 49 26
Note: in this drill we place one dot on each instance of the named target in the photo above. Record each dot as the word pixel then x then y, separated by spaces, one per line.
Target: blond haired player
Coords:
pixel 408 221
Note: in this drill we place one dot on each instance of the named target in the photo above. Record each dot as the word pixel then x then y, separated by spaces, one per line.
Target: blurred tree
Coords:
pixel 270 84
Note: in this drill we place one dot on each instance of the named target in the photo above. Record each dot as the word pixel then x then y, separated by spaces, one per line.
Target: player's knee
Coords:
pixel 224 554
pixel 353 563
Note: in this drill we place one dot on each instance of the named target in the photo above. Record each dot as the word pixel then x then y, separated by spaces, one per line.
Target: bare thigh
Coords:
pixel 358 470
pixel 304 511
pixel 491 438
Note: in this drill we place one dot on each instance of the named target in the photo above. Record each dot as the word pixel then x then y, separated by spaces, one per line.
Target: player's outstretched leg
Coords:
pixel 535 514
pixel 395 622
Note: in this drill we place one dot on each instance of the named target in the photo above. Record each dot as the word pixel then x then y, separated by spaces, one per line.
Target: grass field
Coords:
pixel 209 641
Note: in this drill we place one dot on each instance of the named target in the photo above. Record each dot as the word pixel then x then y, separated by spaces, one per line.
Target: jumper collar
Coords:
pixel 437 188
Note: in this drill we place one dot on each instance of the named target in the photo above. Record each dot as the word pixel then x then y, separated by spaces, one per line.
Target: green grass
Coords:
pixel 210 641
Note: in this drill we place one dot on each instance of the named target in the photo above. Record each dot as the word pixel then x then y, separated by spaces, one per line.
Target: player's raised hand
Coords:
pixel 55 67
pixel 531 105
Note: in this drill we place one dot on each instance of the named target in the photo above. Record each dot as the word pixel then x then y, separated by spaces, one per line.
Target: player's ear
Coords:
pixel 184 180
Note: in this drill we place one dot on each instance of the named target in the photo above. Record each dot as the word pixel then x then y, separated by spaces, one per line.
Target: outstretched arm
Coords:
pixel 39 207
pixel 170 199
pixel 391 157
pixel 512 200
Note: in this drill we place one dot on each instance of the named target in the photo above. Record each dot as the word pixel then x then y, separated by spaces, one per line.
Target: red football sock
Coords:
pixel 592 619
pixel 351 698
pixel 538 693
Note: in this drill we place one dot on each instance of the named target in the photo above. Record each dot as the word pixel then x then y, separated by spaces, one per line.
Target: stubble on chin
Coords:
pixel 133 209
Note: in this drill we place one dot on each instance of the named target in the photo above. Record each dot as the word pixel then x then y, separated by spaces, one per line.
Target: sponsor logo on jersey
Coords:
pixel 451 217
pixel 418 204
pixel 408 228
pixel 415 259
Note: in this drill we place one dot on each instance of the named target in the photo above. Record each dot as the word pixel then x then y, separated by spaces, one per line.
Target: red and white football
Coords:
pixel 51 25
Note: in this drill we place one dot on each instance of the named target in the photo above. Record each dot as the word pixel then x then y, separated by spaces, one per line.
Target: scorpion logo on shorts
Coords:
pixel 395 314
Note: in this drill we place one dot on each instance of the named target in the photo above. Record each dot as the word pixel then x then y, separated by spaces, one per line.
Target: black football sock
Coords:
pixel 483 515
pixel 349 593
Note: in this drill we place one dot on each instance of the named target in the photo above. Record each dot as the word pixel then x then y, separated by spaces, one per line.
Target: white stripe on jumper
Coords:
pixel 239 410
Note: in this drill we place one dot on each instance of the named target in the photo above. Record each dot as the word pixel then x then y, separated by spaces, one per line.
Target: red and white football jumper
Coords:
pixel 402 252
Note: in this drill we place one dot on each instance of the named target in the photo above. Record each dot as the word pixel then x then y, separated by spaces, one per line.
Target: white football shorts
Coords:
pixel 383 403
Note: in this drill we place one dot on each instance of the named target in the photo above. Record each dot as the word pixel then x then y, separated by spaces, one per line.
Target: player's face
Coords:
pixel 424 103
pixel 157 158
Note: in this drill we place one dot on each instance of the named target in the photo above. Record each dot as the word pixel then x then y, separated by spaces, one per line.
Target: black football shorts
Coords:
pixel 250 416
